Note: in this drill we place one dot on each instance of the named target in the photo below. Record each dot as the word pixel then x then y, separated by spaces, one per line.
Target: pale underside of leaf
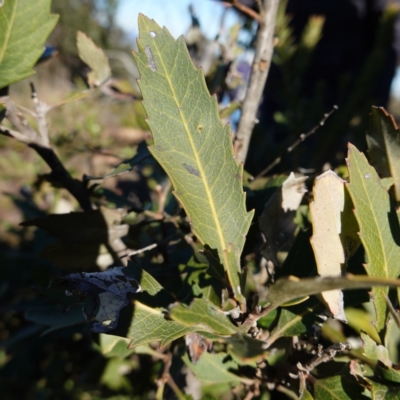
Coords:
pixel 377 225
pixel 325 213
pixel 95 58
pixel 24 27
pixel 191 143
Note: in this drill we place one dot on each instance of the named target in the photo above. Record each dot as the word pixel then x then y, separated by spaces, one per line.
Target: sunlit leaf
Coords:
pixel 379 227
pixel 287 289
pixel 95 58
pixel 191 143
pixel 375 351
pixel 25 26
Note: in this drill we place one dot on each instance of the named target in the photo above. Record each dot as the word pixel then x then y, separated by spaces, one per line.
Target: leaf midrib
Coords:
pixel 8 31
pixel 199 164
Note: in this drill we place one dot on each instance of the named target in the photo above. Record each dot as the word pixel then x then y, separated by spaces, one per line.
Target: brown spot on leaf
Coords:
pixel 191 170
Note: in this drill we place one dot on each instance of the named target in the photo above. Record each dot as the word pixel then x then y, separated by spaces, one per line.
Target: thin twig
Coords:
pixel 301 139
pixel 41 144
pixel 151 246
pixel 392 310
pixel 260 68
pixel 324 356
pixel 248 11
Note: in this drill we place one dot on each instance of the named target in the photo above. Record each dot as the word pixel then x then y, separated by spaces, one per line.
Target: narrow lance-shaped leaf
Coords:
pixel 328 250
pixel 192 145
pixel 24 27
pixel 378 227
pixel 287 289
pixel 383 140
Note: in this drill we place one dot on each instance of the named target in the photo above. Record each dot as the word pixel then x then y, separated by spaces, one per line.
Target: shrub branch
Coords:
pixel 260 68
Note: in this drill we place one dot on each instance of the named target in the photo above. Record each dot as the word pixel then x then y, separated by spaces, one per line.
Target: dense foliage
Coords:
pixel 175 273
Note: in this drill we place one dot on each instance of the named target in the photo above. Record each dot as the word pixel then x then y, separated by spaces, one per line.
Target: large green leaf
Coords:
pixel 378 227
pixel 25 25
pixel 192 145
pixel 383 140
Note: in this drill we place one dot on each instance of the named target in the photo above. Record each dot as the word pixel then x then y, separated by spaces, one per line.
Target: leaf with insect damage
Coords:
pixel 193 146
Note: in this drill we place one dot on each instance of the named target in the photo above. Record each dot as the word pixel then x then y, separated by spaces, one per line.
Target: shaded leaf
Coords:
pixel 96 226
pixel 201 315
pixel 126 165
pixel 277 220
pixel 326 212
pixel 215 368
pixel 110 290
pixel 191 144
pixel 388 373
pixel 378 227
pixel 383 140
pixel 56 317
pixel 95 58
pixel 383 392
pixel 21 48
pixel 245 347
pixel 337 388
pixel 295 321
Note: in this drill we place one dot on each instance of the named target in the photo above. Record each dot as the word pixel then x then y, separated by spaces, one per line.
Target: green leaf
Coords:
pixel 215 368
pixel 191 144
pixel 388 373
pixel 378 225
pixel 294 321
pixel 25 26
pixel 375 351
pixel 285 290
pixel 245 347
pixel 202 315
pixel 145 321
pixel 336 388
pixel 149 325
pixel 383 392
pixel 360 320
pixel 95 58
pixel 383 140
pixel 56 317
